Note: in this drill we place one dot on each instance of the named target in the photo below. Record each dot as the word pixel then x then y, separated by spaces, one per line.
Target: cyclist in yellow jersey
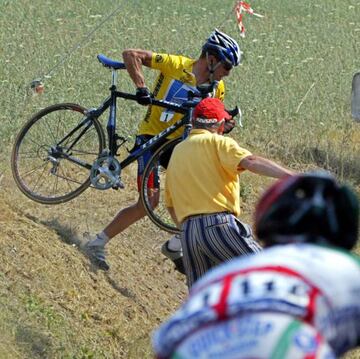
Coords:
pixel 177 75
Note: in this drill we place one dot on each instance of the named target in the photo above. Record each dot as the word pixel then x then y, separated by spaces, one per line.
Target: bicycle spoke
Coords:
pixel 55 185
pixel 31 171
pixel 49 130
pixel 36 143
pixel 66 178
pixel 29 156
pixel 39 179
pixel 58 128
pixel 158 214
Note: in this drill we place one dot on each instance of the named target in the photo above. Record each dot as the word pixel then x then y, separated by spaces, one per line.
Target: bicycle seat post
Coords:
pixel 111 125
pixel 113 79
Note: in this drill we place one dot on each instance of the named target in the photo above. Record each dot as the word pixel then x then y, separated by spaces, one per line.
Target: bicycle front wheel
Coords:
pixel 158 212
pixel 54 151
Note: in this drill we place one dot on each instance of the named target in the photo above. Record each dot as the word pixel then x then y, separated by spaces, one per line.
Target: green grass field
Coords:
pixel 294 89
pixel 293 84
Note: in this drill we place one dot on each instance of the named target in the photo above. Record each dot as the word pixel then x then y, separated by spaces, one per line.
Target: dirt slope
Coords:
pixel 55 303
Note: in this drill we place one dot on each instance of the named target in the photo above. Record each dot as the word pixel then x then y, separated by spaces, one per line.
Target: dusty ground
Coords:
pixel 55 304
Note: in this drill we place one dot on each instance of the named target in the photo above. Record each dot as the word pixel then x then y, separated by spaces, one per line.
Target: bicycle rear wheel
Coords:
pixel 159 214
pixel 50 161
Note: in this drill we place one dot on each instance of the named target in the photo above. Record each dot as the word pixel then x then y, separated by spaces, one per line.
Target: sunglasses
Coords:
pixel 227 66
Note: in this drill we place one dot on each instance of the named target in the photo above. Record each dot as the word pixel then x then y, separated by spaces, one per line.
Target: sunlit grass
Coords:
pixel 293 85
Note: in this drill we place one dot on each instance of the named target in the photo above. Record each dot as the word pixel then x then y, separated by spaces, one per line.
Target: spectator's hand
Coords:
pixel 143 96
pixel 229 125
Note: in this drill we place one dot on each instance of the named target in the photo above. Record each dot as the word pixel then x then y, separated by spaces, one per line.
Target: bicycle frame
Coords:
pixel 55 165
pixel 110 102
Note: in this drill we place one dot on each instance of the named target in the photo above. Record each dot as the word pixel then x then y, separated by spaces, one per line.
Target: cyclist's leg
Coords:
pixel 123 219
pixel 95 246
pixel 131 214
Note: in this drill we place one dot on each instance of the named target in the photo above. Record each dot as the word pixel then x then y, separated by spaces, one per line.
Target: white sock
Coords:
pixel 102 235
pixel 174 243
pixel 101 239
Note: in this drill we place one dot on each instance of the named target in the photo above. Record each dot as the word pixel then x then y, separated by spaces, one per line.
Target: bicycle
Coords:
pixel 61 150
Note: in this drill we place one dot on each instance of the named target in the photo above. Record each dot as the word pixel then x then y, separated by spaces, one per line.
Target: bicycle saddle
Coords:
pixel 113 64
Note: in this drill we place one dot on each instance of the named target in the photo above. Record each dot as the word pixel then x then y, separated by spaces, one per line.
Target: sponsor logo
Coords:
pixel 305 341
pixel 206 121
pixel 161 134
pixel 178 93
pixel 187 76
pixel 234 337
pixel 159 59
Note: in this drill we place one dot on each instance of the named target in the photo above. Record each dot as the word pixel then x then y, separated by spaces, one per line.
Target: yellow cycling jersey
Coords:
pixel 173 83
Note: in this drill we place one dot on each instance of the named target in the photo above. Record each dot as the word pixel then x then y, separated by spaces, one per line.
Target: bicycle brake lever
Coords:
pixel 235 112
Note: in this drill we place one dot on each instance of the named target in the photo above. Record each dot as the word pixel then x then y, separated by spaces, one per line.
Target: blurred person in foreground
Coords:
pixel 208 206
pixel 177 76
pixel 297 299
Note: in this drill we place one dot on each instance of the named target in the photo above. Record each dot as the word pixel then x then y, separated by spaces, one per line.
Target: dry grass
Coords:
pixel 57 304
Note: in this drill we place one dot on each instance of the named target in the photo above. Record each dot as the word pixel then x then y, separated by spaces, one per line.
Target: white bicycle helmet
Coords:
pixel 226 48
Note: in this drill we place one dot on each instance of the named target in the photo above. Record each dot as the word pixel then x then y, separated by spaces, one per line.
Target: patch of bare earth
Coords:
pixel 55 304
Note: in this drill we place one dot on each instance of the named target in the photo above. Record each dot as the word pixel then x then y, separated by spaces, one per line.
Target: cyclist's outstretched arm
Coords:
pixel 134 59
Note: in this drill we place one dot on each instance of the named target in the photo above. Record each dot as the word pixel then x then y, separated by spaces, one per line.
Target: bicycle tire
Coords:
pixel 37 174
pixel 158 215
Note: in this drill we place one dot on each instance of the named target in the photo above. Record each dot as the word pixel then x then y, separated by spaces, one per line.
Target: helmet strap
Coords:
pixel 211 67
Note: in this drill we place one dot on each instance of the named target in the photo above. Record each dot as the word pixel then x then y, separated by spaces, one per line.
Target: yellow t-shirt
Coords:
pixel 203 176
pixel 173 83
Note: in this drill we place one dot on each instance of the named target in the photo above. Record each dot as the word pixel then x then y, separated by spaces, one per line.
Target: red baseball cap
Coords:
pixel 212 109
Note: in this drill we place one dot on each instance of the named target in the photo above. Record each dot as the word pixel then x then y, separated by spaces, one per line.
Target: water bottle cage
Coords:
pixel 120 140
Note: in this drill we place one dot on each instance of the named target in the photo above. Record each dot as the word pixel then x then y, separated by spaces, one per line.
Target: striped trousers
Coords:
pixel 210 239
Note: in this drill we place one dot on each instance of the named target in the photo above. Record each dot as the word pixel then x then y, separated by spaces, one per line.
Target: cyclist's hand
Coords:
pixel 229 125
pixel 143 96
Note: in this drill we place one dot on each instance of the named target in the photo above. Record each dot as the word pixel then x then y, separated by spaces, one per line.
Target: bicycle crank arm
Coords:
pixel 105 173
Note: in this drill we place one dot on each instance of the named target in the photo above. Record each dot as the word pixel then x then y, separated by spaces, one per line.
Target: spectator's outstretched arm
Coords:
pixel 263 166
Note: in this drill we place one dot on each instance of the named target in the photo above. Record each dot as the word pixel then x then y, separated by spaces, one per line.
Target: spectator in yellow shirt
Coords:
pixel 202 191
